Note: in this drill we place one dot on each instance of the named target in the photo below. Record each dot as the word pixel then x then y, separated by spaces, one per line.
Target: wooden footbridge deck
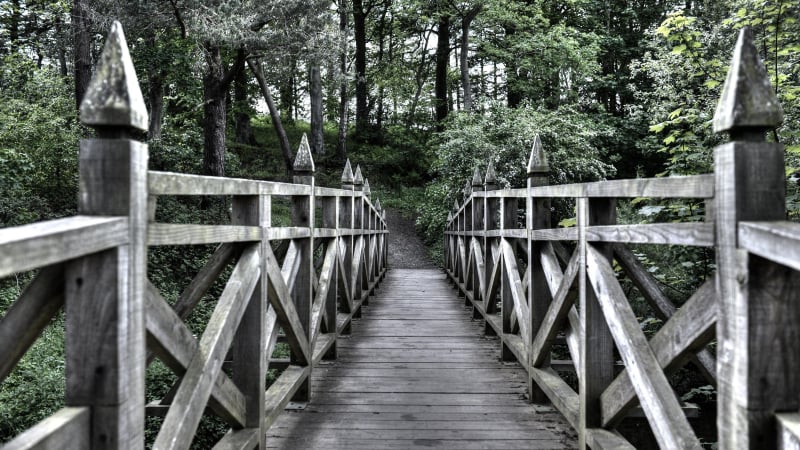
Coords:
pixel 417 372
pixel 538 313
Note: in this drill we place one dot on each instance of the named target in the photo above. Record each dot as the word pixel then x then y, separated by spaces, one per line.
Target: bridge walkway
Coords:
pixel 417 372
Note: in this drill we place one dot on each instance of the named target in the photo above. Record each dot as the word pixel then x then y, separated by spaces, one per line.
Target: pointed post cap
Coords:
pixel 347 174
pixel 467 191
pixel 748 99
pixel 113 97
pixel 358 179
pixel 449 216
pixel 477 180
pixel 303 162
pixel 366 188
pixel 455 205
pixel 378 205
pixel 491 176
pixel 538 160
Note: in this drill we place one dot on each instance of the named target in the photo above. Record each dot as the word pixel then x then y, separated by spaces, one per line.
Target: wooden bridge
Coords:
pixel 424 367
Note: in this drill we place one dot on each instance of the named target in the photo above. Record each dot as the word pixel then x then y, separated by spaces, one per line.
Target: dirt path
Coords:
pixel 406 249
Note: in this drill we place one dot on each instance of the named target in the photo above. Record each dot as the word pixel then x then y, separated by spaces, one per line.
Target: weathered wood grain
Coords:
pixel 661 407
pixel 563 299
pixel 169 183
pixel 174 344
pixel 777 241
pixel 198 382
pixel 692 186
pixel 67 429
pixel 281 302
pixel 600 439
pixel 44 243
pixel 695 234
pixel 243 439
pixel 187 234
pixel 788 431
pixel 691 327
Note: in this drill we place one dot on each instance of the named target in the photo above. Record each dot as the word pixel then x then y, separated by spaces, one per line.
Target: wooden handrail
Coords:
pixel 751 306
pixel 117 322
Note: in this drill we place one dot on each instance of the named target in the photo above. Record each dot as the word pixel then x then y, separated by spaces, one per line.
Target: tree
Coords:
pixel 442 66
pixel 82 49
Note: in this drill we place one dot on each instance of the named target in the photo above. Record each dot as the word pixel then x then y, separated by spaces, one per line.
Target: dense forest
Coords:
pixel 419 93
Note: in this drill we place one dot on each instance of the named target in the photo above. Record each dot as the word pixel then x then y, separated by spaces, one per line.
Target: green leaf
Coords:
pixel 711 84
pixel 675 113
pixel 657 128
pixel 678 49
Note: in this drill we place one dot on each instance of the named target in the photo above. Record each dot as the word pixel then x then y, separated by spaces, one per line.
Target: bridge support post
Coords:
pixel 537 216
pixel 597 344
pixel 303 216
pixel 491 215
pixel 469 280
pixel 346 222
pixel 104 292
pixel 358 225
pixel 476 225
pixel 508 220
pixel 758 366
pixel 330 219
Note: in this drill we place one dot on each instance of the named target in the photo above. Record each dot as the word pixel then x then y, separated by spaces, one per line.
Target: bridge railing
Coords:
pixel 305 282
pixel 536 286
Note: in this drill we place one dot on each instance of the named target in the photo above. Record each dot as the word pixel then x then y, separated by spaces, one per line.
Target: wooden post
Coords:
pixel 597 345
pixel 330 220
pixel 459 224
pixel 477 225
pixel 491 210
pixel 104 292
pixel 537 216
pixel 303 216
pixel 448 243
pixel 508 220
pixel 468 279
pixel 358 224
pixel 367 231
pixel 379 242
pixel 346 222
pixel 249 370
pixel 758 366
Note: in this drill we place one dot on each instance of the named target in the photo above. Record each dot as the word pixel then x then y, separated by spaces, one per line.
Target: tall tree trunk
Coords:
pixel 317 140
pixel 244 132
pixel 360 34
pixel 466 22
pixel 277 124
pixel 156 96
pixel 214 114
pixel 286 93
pixel 341 144
pixel 419 78
pixel 442 62
pixel 82 43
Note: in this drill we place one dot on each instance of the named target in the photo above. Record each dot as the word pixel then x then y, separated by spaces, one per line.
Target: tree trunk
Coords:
pixel 341 145
pixel 82 42
pixel 156 97
pixel 214 114
pixel 360 34
pixel 317 140
pixel 286 93
pixel 277 124
pixel 465 81
pixel 442 60
pixel 244 132
pixel 419 78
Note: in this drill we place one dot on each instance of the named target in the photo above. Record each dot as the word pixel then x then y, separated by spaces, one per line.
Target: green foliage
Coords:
pixel 504 136
pixel 38 141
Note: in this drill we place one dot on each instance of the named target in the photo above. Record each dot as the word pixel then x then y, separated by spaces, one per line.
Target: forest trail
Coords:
pixel 406 249
pixel 417 372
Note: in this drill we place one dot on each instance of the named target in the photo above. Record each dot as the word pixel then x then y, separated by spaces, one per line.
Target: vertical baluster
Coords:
pixel 759 311
pixel 358 225
pixel 477 226
pixel 104 293
pixel 597 345
pixel 537 216
pixel 303 217
pixel 377 227
pixel 367 226
pixel 330 220
pixel 491 222
pixel 346 222
pixel 508 220
pixel 468 279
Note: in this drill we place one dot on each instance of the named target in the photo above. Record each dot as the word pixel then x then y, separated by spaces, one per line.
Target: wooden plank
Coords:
pixel 168 183
pixel 777 241
pixel 198 382
pixel 600 439
pixel 661 304
pixel 190 234
pixel 243 439
pixel 205 278
pixel 563 300
pixel 44 243
pixel 67 429
pixel 280 233
pixel 663 411
pixel 326 283
pixel 25 320
pixel 172 341
pixel 788 430
pixel 564 398
pixel 690 327
pixel 322 345
pixel 694 233
pixel 281 302
pixel 691 186
pixel 282 390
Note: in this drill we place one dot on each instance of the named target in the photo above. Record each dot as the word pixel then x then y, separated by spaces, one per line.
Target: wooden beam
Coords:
pixel 67 429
